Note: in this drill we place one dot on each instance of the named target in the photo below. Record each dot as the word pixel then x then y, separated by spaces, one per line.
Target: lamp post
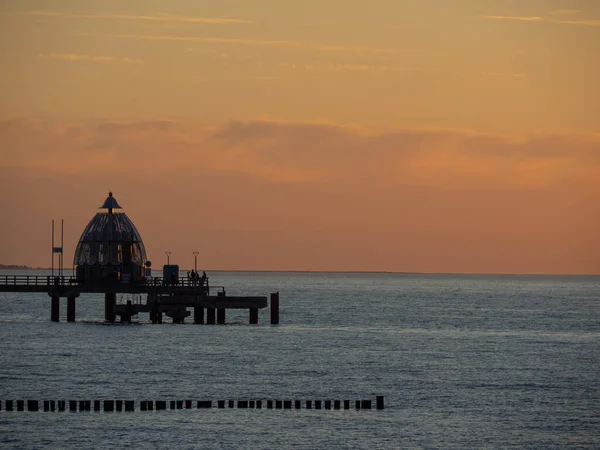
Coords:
pixel 196 261
pixel 168 257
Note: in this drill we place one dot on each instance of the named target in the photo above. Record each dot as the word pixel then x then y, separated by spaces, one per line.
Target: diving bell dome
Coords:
pixel 110 246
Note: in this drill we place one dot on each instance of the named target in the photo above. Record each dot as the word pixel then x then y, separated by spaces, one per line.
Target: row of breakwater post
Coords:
pixel 161 405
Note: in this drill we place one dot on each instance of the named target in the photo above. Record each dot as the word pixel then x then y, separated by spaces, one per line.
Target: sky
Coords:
pixel 334 135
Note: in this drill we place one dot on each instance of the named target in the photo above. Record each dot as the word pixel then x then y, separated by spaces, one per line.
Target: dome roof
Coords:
pixel 110 238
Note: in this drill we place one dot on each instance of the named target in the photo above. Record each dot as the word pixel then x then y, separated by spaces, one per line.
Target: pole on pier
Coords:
pixel 275 308
pixel 195 261
pixel 210 316
pixel 70 309
pixel 379 401
pixel 55 309
pixel 110 304
pixel 253 316
pixel 198 314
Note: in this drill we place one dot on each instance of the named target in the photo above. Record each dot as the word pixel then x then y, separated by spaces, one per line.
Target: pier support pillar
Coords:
pixel 253 316
pixel 221 316
pixel 198 314
pixel 275 308
pixel 210 316
pixel 154 312
pixel 55 309
pixel 70 309
pixel 110 303
pixel 128 313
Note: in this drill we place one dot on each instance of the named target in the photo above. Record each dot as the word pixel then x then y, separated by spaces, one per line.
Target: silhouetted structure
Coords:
pixel 110 259
pixel 110 248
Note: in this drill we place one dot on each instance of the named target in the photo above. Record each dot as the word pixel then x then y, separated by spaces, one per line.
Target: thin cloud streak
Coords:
pixel 589 23
pixel 81 57
pixel 160 17
pixel 386 68
pixel 565 12
pixel 255 42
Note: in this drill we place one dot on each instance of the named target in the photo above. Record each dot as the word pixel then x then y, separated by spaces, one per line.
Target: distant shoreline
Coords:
pixel 17 267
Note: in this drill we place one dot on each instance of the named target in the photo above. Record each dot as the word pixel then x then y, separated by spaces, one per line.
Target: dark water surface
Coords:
pixel 463 362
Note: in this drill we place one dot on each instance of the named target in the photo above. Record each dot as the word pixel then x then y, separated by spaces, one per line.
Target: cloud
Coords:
pixel 519 18
pixel 256 42
pixel 94 58
pixel 388 68
pixel 312 153
pixel 117 16
pixel 278 195
pixel 565 12
pixel 589 23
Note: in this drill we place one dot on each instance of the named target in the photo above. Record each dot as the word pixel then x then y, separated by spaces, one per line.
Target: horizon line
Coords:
pixel 388 272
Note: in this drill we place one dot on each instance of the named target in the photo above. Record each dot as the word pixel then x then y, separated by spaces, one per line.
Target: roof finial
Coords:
pixel 110 203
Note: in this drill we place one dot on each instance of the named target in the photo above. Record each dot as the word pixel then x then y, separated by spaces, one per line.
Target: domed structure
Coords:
pixel 110 248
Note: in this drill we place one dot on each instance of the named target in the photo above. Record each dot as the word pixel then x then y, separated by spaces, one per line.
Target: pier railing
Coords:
pixel 63 281
pixel 36 280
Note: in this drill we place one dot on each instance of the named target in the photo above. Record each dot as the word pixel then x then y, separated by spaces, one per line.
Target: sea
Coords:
pixel 463 361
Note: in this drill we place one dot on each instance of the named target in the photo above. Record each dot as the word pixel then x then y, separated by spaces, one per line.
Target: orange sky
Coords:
pixel 391 135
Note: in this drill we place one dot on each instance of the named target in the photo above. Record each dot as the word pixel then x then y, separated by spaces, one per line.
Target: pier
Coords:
pixel 207 303
pixel 110 259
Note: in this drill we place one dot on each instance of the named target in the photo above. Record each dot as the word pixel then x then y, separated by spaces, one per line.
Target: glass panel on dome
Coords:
pixel 101 254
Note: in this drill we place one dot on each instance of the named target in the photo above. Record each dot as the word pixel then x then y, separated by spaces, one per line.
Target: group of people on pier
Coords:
pixel 195 279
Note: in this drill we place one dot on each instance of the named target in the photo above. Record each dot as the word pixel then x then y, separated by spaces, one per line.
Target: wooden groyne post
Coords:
pixel 275 308
pixel 110 406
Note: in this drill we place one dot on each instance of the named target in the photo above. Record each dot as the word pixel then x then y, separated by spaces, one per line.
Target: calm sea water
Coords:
pixel 463 362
